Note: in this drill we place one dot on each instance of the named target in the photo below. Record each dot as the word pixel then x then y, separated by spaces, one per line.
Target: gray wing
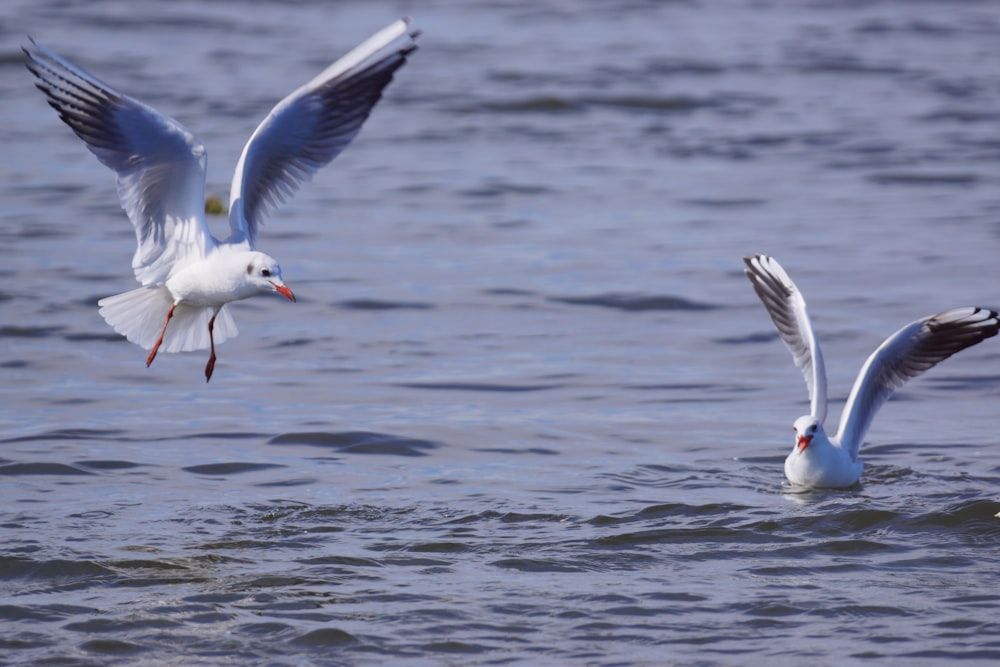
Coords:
pixel 312 125
pixel 160 165
pixel 915 348
pixel 787 308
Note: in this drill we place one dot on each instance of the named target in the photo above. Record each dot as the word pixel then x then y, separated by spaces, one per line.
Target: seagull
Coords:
pixel 817 460
pixel 187 275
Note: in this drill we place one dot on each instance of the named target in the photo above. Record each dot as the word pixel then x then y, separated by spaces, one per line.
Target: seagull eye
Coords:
pixel 266 273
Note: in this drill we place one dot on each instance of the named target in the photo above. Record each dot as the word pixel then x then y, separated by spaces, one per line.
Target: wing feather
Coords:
pixel 311 126
pixel 787 308
pixel 160 165
pixel 917 347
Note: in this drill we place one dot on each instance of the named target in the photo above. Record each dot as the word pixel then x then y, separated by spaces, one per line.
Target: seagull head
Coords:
pixel 264 273
pixel 806 428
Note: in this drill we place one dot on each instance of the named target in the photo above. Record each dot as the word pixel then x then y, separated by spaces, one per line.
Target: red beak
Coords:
pixel 284 291
pixel 804 441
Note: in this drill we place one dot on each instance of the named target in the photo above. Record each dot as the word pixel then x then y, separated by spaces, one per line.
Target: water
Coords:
pixel 527 409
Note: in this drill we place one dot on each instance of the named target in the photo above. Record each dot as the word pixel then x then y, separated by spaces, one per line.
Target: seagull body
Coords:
pixel 817 460
pixel 187 275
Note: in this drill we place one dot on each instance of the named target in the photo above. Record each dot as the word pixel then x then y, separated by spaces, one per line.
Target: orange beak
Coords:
pixel 804 441
pixel 283 291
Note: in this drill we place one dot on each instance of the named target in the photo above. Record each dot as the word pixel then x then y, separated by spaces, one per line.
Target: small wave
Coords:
pixel 112 647
pixel 285 483
pixel 700 536
pixel 294 342
pixel 672 67
pixel 378 304
pixel 953 382
pixel 147 564
pixel 653 103
pixel 108 465
pixel 507 291
pixel 14 331
pixel 710 202
pixel 69 434
pixel 457 647
pixel 538 565
pixel 633 301
pixel 39 613
pixel 358 442
pixel 815 63
pixel 508 518
pixel 499 188
pixel 478 386
pixel 913 26
pixel 324 637
pixel 264 629
pixel 962 116
pixel 65 573
pixel 559 104
pixel 41 468
pixel 92 337
pixel 678 511
pixel 923 178
pixel 759 337
pixel 975 522
pixel 440 547
pixel 511 451
pixel 233 468
pixel 853 523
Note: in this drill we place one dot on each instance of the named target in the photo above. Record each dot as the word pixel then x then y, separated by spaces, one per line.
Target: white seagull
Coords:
pixel 816 459
pixel 187 275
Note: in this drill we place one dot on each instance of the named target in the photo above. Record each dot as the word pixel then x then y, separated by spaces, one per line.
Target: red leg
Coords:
pixel 152 353
pixel 210 366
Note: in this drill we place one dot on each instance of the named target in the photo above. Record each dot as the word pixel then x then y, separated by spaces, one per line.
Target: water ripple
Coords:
pixel 359 442
pixel 634 302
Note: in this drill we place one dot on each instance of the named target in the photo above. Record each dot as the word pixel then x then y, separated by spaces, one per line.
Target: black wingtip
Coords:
pixel 29 55
pixel 414 33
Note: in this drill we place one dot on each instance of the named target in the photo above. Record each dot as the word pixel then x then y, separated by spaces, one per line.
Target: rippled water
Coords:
pixel 527 410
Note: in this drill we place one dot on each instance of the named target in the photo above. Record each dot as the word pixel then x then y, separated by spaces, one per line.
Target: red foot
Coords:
pixel 210 366
pixel 152 353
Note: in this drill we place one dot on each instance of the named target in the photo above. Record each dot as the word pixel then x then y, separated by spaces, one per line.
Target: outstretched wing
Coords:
pixel 160 165
pixel 310 127
pixel 787 308
pixel 906 354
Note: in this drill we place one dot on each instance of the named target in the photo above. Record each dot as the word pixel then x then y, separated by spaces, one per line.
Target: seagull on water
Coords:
pixel 187 275
pixel 818 460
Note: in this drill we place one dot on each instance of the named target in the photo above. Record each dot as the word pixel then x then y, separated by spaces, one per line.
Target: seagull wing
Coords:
pixel 787 308
pixel 160 165
pixel 906 354
pixel 310 127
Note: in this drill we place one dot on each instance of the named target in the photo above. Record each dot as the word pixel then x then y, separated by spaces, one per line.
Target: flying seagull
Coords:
pixel 187 275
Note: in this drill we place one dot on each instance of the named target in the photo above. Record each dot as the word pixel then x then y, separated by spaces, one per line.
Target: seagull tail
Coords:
pixel 139 315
